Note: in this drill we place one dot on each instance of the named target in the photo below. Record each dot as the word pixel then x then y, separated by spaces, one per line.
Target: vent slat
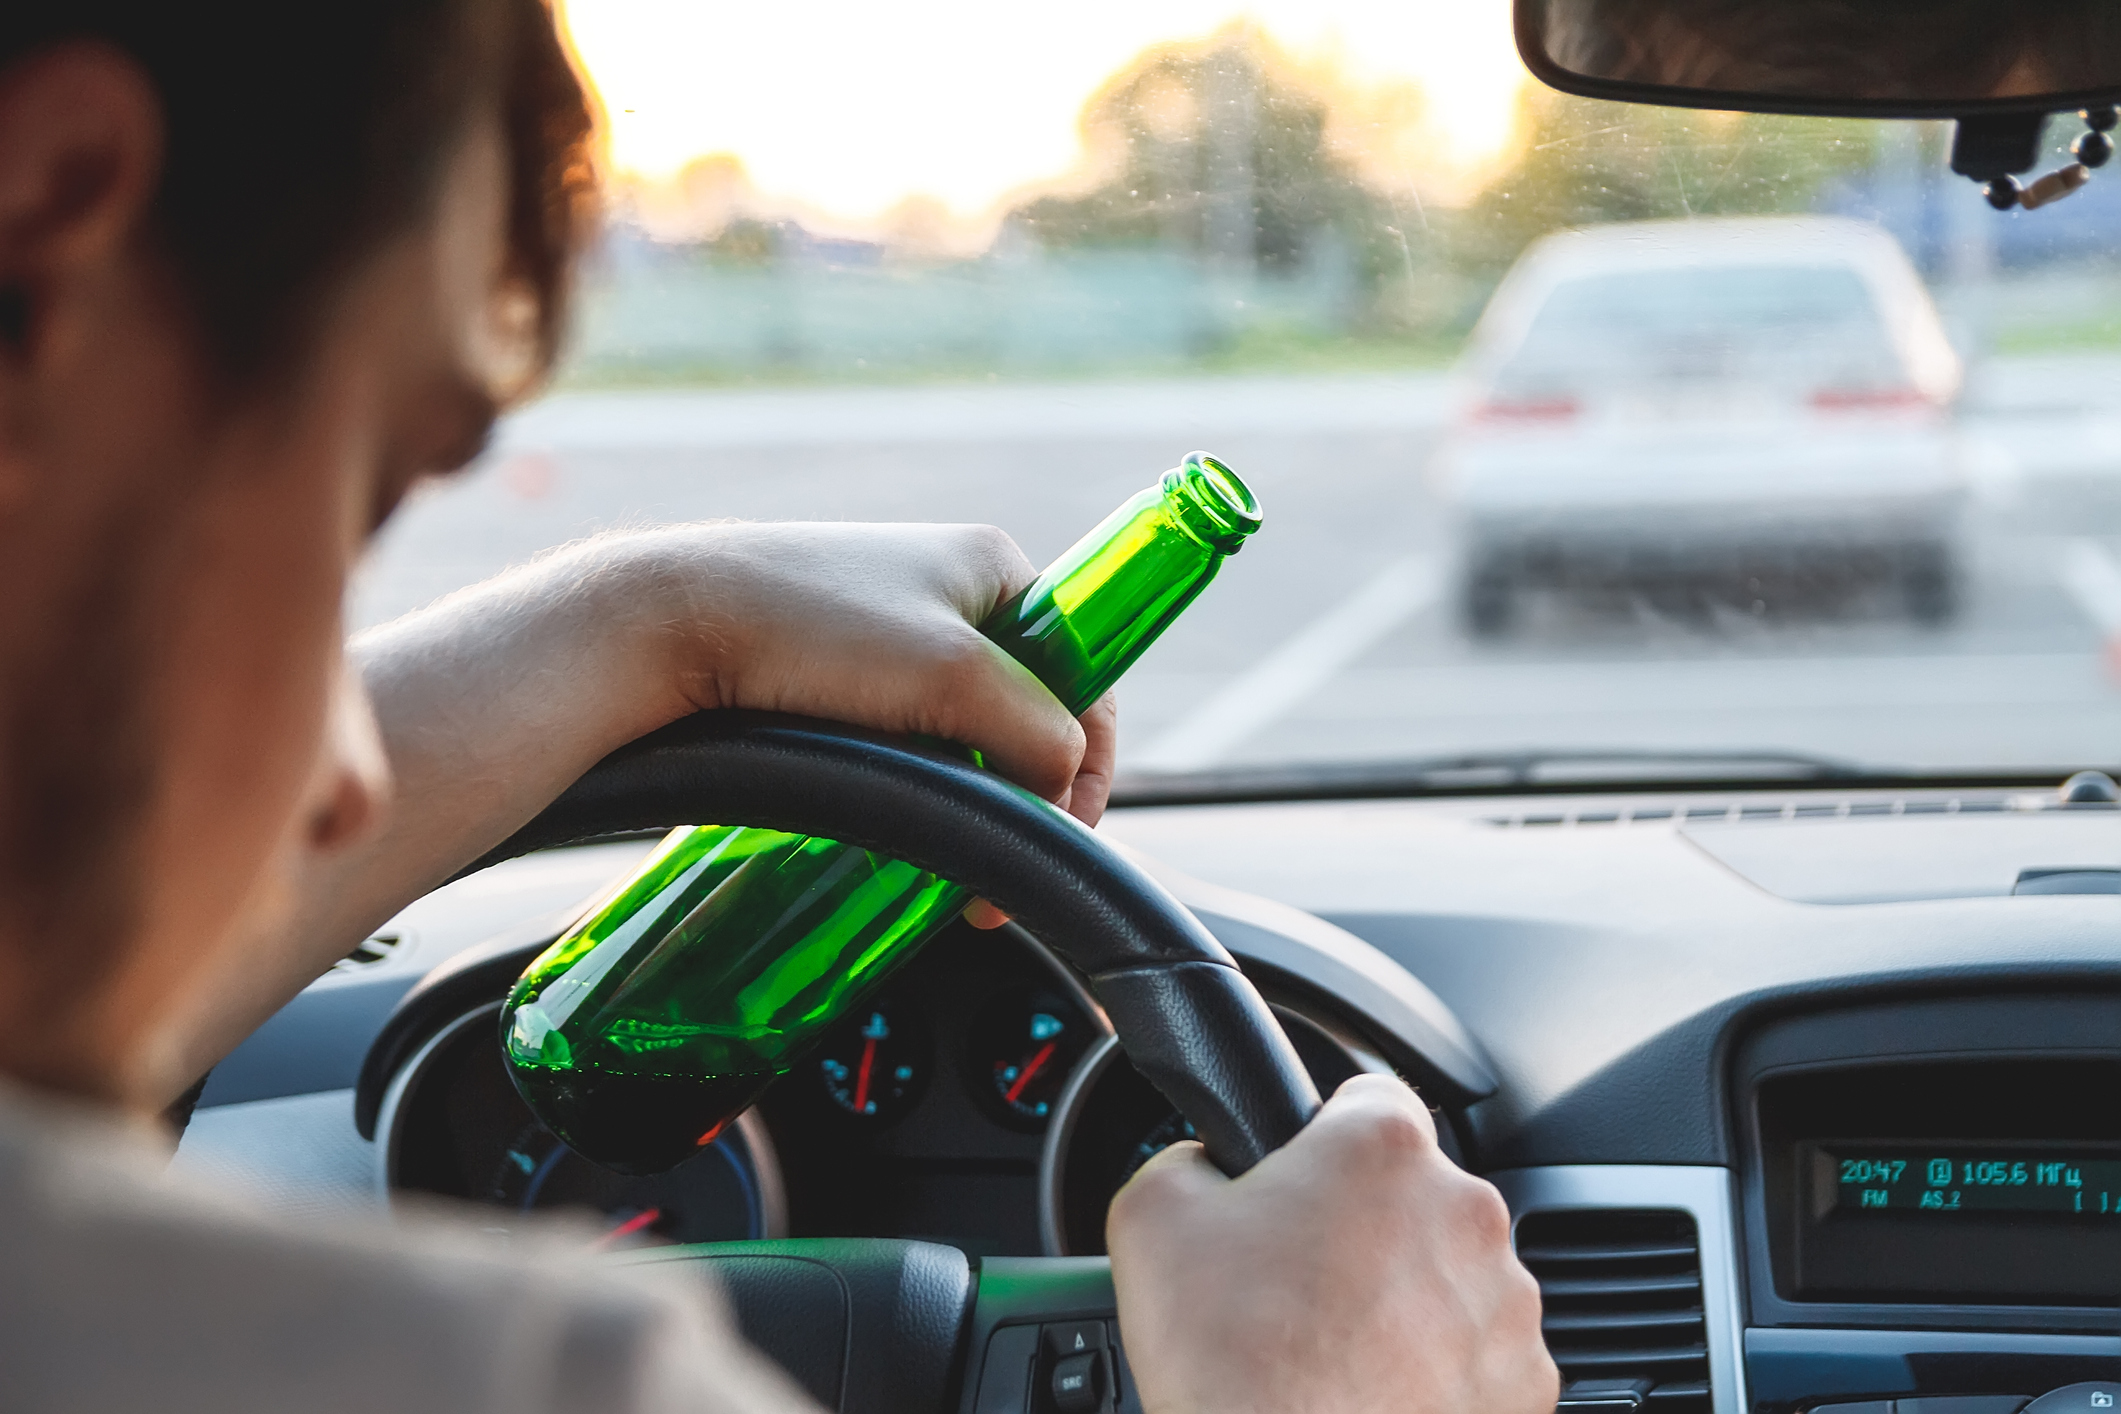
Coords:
pixel 1575 1362
pixel 1608 1252
pixel 1570 1288
pixel 1681 1389
pixel 1680 1397
pixel 1622 1292
pixel 1561 1321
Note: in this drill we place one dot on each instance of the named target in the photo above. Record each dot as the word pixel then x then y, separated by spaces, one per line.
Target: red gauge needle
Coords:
pixel 632 1225
pixel 861 1078
pixel 1031 1068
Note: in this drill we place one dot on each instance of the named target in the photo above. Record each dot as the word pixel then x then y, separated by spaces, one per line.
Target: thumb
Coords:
pixel 1173 1179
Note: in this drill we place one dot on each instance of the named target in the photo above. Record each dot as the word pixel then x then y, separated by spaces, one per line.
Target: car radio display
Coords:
pixel 1907 1179
pixel 1963 1183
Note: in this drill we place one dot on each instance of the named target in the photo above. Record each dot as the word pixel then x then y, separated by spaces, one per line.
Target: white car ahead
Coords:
pixel 1662 405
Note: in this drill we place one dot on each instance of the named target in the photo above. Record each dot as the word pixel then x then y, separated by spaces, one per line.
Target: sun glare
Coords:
pixel 850 109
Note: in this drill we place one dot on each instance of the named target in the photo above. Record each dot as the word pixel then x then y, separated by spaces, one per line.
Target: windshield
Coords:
pixel 1655 439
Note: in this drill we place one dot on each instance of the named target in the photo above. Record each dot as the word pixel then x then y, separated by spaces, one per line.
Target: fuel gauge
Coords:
pixel 1024 1042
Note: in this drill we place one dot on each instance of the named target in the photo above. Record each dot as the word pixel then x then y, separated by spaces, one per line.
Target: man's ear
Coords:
pixel 81 145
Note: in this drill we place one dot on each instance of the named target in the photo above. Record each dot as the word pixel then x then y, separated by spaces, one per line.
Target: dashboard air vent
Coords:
pixel 1752 810
pixel 1621 1290
pixel 380 948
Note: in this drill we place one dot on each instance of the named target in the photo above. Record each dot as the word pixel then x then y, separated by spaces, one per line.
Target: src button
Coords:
pixel 1079 1384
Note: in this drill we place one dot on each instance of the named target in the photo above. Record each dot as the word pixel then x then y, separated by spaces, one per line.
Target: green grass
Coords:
pixel 2098 335
pixel 1255 352
pixel 1275 352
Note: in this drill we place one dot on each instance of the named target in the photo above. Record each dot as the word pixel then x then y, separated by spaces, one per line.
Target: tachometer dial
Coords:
pixel 454 1125
pixel 874 1067
pixel 711 1197
pixel 1024 1042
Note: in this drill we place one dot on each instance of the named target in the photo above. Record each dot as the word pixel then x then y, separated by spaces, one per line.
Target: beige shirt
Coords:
pixel 124 1287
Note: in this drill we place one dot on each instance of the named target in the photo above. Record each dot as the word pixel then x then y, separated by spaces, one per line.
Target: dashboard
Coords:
pixel 980 1100
pixel 1801 1099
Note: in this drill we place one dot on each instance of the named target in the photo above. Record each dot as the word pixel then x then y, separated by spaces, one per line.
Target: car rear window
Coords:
pixel 1773 323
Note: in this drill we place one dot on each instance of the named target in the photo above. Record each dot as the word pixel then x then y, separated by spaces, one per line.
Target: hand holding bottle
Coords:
pixel 874 625
pixel 877 625
pixel 1356 1270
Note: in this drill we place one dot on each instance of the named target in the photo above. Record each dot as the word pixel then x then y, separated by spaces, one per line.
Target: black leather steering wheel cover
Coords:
pixel 1189 1020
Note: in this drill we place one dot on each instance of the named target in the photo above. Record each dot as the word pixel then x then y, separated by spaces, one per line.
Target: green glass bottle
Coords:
pixel 732 950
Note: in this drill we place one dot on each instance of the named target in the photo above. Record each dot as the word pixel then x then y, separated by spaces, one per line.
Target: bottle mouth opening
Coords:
pixel 1213 502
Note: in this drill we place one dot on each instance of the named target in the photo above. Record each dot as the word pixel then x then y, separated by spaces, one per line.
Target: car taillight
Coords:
pixel 1872 400
pixel 1526 410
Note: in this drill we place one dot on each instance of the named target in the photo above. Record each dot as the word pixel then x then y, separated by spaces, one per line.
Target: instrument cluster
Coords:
pixel 923 1114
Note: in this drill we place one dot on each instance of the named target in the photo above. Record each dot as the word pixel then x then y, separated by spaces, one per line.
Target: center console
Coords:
pixel 1931 1204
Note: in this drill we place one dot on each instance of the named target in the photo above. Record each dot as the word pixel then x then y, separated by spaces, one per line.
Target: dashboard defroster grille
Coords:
pixel 1621 1291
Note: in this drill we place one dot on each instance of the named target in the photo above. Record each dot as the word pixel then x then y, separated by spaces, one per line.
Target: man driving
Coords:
pixel 262 268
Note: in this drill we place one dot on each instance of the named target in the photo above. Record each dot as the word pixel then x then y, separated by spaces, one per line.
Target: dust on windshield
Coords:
pixel 1578 427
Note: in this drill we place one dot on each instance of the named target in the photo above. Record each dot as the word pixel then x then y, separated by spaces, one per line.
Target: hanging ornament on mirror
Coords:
pixel 2091 149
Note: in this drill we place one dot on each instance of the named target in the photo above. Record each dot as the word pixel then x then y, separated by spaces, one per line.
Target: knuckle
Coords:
pixel 964 664
pixel 1397 1135
pixel 1522 1304
pixel 1486 1216
pixel 1150 1193
pixel 993 547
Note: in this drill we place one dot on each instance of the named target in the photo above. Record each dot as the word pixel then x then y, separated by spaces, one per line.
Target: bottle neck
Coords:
pixel 1207 501
pixel 1094 610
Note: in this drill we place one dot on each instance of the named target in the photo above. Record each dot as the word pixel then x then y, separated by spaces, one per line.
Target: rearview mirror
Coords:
pixel 1852 58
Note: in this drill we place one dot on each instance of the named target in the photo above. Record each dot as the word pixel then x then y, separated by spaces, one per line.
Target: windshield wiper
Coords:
pixel 1486 772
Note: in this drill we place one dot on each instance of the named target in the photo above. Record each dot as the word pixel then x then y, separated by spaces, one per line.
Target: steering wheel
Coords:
pixel 883 1325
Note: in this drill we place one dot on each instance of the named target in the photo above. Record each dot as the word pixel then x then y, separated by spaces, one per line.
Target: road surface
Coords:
pixel 1330 638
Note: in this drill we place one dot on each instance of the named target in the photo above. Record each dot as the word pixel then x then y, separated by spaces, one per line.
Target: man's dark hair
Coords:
pixel 304 133
pixel 301 136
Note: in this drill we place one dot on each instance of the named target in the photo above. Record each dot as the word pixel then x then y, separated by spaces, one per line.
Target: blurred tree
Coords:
pixel 1217 148
pixel 703 197
pixel 1584 162
pixel 747 240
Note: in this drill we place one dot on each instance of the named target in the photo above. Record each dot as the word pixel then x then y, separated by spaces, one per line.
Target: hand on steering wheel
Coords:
pixel 1358 1249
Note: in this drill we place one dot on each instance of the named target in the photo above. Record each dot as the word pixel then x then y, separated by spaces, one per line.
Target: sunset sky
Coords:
pixel 849 108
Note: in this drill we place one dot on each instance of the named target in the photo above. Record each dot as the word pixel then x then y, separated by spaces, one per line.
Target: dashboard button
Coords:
pixel 1006 1377
pixel 1065 1338
pixel 1079 1384
pixel 2092 1395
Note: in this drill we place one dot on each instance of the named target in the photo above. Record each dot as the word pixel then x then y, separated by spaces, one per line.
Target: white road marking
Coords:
pixel 2094 581
pixel 1301 666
